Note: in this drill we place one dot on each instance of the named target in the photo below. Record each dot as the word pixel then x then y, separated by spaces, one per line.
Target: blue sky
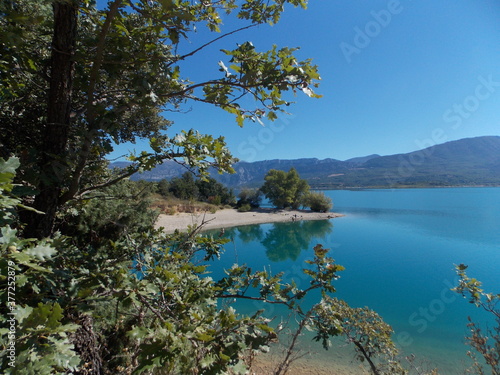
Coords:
pixel 397 76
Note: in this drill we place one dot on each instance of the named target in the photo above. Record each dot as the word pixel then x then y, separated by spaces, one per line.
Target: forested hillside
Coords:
pixel 469 162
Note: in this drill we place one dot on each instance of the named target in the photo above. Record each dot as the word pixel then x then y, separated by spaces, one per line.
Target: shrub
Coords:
pixel 251 197
pixel 244 208
pixel 318 202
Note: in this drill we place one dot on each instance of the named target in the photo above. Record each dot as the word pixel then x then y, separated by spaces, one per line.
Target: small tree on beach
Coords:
pixel 285 189
pixel 318 202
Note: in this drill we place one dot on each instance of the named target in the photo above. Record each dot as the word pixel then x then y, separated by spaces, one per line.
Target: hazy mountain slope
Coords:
pixel 363 159
pixel 470 161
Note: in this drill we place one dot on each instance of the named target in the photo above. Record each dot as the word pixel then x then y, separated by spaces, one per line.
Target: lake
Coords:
pixel 399 248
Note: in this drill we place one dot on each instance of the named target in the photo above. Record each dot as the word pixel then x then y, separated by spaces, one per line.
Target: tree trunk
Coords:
pixel 56 133
pixel 86 343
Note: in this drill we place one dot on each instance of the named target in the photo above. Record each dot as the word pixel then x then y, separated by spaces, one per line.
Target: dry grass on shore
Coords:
pixel 173 206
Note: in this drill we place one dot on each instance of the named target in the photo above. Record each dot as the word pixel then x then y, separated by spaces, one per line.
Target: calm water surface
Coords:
pixel 399 248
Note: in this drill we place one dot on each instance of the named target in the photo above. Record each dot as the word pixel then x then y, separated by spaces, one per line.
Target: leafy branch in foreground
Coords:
pixel 362 327
pixel 486 344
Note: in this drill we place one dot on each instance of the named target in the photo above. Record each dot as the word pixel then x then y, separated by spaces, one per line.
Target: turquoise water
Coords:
pixel 399 248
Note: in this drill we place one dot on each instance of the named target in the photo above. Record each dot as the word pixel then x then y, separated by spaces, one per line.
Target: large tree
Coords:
pixel 285 189
pixel 83 78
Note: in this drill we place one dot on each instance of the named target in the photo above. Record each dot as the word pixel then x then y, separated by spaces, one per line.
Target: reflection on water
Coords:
pixel 284 241
pixel 399 248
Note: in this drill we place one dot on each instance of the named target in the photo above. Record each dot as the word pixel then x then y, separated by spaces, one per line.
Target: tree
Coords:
pixel 285 189
pixel 163 187
pixel 318 202
pixel 79 80
pixel 85 78
pixel 212 191
pixel 184 187
pixel 250 197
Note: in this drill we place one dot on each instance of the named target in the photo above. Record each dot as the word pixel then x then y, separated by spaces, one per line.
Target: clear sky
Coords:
pixel 397 76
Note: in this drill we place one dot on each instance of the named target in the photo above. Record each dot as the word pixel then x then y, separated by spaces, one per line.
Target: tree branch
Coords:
pixel 183 57
pixel 101 44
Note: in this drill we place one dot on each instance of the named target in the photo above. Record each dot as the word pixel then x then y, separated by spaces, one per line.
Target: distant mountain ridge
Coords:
pixel 466 162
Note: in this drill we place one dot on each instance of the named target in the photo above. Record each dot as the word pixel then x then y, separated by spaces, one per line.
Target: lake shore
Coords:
pixel 264 364
pixel 309 366
pixel 230 217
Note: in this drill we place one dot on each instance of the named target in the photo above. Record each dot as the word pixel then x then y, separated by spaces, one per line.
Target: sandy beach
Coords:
pixel 229 217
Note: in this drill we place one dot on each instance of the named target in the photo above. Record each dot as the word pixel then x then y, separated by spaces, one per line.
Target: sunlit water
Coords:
pixel 399 248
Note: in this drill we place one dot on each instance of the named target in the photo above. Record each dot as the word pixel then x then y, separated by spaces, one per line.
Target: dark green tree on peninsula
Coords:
pixel 285 189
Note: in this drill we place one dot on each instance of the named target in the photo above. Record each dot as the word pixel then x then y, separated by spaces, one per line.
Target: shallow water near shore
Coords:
pixel 399 248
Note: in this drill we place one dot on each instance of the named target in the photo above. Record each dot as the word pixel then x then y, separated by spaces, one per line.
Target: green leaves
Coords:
pixel 41 252
pixel 285 189
pixel 318 202
pixel 362 327
pixel 486 343
pixel 128 76
pixel 266 12
pixel 8 171
pixel 155 306
pixel 265 76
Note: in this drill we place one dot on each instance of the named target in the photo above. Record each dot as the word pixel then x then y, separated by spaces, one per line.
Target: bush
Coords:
pixel 107 215
pixel 251 197
pixel 244 208
pixel 318 202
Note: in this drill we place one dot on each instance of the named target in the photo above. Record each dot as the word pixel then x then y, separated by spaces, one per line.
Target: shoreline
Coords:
pixel 230 217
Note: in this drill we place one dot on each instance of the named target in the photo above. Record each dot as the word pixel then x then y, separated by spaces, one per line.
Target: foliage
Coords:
pixel 244 208
pixel 83 78
pixel 7 201
pixel 318 202
pixel 205 190
pixel 184 187
pixel 486 344
pixel 285 189
pixel 365 329
pixel 250 197
pixel 163 188
pixel 111 295
pixel 212 191
pixel 32 325
pixel 110 213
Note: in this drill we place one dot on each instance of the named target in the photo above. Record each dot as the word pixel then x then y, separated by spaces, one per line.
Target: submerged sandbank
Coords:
pixel 230 217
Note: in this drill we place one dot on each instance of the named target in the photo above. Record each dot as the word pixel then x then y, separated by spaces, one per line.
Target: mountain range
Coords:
pixel 466 162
